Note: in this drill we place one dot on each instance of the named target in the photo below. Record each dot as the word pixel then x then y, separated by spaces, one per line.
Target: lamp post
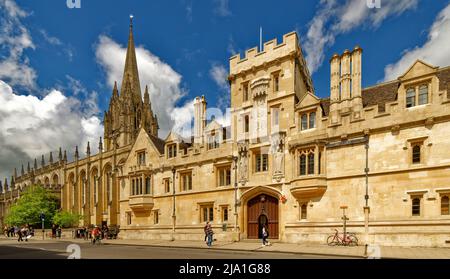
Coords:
pixel 173 199
pixel 42 216
pixel 235 159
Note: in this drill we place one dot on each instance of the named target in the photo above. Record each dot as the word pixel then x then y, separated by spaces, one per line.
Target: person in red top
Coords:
pixel 95 235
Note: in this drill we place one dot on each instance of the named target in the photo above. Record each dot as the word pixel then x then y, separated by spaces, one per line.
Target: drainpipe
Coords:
pixel 366 197
pixel 235 159
pixel 173 199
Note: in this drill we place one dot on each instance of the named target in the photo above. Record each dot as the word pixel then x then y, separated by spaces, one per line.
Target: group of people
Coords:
pixel 22 233
pixel 92 233
pixel 209 233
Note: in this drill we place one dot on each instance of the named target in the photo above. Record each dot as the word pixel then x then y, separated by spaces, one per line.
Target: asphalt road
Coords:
pixel 57 250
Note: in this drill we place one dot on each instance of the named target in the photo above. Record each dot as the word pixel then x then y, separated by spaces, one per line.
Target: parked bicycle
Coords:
pixel 349 239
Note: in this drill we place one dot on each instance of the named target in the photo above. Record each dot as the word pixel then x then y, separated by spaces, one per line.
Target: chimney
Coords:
pixel 199 119
pixel 356 82
pixel 335 85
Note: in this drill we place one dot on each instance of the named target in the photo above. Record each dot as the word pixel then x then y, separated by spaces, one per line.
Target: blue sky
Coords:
pixel 72 56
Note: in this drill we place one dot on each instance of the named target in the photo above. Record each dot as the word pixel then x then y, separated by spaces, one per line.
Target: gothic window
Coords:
pixel 276 82
pixel 245 91
pixel 416 206
pixel 303 211
pixel 156 217
pixel 302 164
pixel 213 140
pixel 141 158
pixel 410 97
pixel 304 121
pixel 261 162
pixel 172 150
pixel 166 185
pixel 311 163
pixel 224 214
pixel 186 181
pixel 308 121
pixel 207 213
pixel 319 162
pixel 312 120
pixel 224 176
pixel 423 94
pixel 133 187
pixel 416 154
pixel 95 189
pixel 246 124
pixel 444 205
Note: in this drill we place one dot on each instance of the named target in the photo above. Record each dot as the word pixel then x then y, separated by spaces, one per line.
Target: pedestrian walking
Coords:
pixel 19 234
pixel 58 231
pixel 264 235
pixel 209 234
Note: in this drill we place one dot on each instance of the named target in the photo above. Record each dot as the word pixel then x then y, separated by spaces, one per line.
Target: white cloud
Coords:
pixel 434 51
pixel 182 118
pixel 14 39
pixel 163 82
pixel 30 127
pixel 222 8
pixel 219 74
pixel 50 39
pixel 337 17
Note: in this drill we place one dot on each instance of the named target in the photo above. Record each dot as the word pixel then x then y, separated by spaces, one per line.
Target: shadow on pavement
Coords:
pixel 12 252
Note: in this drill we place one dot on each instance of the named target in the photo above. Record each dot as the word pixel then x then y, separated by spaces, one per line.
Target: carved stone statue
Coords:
pixel 243 167
pixel 278 161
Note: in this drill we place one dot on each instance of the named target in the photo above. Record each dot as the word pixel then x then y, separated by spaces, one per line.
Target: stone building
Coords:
pixel 289 159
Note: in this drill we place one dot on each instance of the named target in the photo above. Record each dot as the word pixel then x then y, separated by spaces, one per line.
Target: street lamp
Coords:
pixel 42 216
pixel 173 199
pixel 235 159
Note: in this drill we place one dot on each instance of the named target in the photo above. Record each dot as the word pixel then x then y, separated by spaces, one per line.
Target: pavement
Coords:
pixel 373 251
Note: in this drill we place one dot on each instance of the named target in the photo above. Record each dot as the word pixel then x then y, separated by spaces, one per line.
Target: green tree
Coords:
pixel 32 202
pixel 66 219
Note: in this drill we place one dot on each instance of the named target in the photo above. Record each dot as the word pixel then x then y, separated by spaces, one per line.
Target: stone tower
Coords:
pixel 128 112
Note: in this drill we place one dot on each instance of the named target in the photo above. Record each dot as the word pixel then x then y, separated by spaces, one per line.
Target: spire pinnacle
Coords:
pixel 131 70
pixel 146 96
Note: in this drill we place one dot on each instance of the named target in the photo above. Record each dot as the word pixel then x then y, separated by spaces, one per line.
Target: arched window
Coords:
pixel 303 211
pixel 444 205
pixel 133 191
pixel 416 154
pixel 311 163
pixel 416 207
pixel 423 95
pixel 410 98
pixel 302 160
pixel 140 186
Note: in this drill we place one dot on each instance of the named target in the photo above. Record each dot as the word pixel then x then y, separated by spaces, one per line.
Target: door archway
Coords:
pixel 262 210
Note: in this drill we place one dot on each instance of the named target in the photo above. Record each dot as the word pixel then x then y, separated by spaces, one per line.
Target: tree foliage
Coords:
pixel 66 219
pixel 32 202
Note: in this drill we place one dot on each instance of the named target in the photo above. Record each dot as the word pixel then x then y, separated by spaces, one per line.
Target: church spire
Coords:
pixel 130 71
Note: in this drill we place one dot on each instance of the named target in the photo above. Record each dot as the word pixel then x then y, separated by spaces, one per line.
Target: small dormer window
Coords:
pixel 417 95
pixel 141 158
pixel 172 150
pixel 410 98
pixel 308 120
pixel 213 140
pixel 423 95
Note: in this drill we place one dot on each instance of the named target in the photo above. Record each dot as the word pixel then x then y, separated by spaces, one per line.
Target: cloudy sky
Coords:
pixel 58 65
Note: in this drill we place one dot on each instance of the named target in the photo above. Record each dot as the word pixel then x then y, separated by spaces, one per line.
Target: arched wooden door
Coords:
pixel 262 209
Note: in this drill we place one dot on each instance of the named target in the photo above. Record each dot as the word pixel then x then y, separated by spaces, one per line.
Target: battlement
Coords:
pixel 271 52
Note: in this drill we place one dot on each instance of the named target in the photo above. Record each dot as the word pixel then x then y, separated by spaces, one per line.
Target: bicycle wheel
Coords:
pixel 353 240
pixel 331 240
